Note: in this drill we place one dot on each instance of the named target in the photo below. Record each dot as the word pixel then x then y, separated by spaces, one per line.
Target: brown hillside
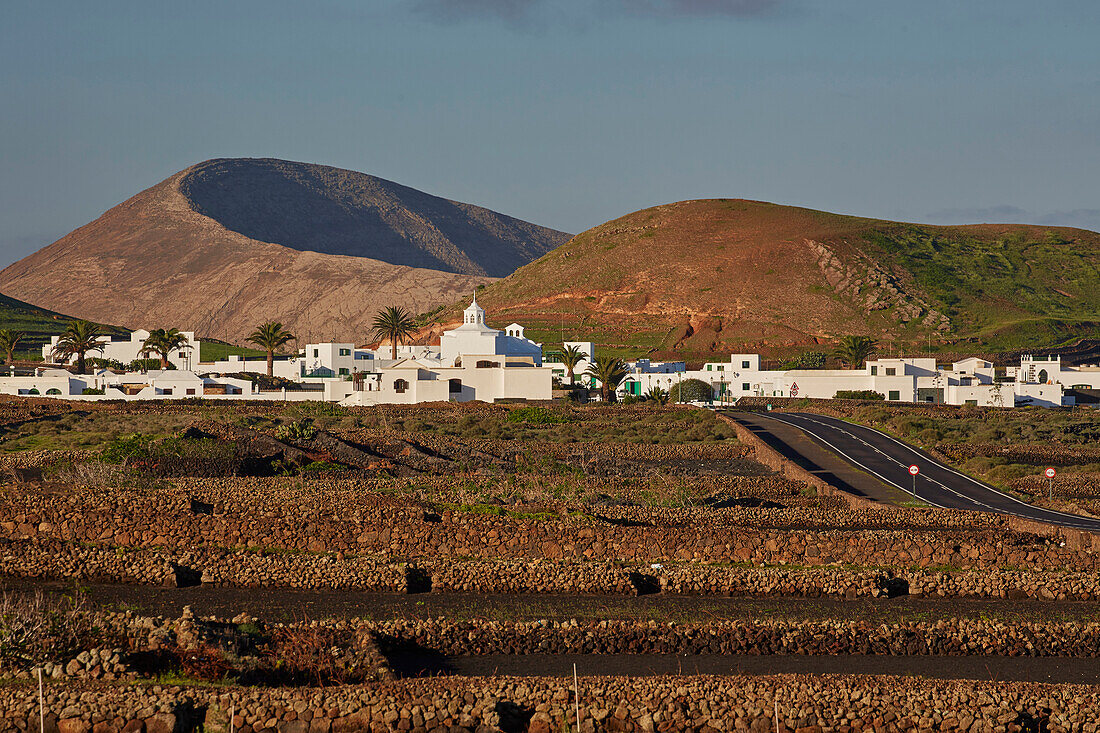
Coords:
pixel 227 244
pixel 697 278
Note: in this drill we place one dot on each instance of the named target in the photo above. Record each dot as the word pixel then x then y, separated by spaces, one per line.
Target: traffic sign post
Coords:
pixel 1050 474
pixel 913 471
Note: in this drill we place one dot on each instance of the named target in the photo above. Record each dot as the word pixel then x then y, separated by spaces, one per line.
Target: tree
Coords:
pixel 271 337
pixel 852 351
pixel 9 340
pixel 78 339
pixel 571 356
pixel 393 323
pixel 691 390
pixel 609 372
pixel 163 342
pixel 657 395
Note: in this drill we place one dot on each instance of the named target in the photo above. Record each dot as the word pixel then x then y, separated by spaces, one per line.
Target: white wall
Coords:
pixel 129 349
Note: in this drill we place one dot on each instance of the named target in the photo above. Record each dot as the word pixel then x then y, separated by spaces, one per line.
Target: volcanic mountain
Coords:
pixel 229 243
pixel 697 278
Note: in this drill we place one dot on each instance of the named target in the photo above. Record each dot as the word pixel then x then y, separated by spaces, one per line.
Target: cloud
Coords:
pixel 523 12
pixel 1007 214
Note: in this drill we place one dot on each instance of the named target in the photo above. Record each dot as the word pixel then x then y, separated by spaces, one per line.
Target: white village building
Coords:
pixel 587 348
pixel 970 381
pixel 475 362
pixel 125 351
pixel 105 384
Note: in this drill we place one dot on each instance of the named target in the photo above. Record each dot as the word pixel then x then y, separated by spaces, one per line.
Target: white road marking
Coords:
pixel 857 463
pixel 1063 519
pixel 971 479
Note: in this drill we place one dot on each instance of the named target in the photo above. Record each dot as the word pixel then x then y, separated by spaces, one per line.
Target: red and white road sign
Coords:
pixel 914 470
pixel 1050 473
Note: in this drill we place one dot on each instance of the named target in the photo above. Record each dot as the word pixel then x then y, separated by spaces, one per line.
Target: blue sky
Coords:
pixel 562 112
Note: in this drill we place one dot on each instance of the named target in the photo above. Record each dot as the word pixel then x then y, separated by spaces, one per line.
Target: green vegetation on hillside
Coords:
pixel 1020 288
pixel 38 324
pixel 213 349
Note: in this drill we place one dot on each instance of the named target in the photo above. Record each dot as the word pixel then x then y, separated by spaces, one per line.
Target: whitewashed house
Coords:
pixel 125 351
pixel 475 363
pixel 588 349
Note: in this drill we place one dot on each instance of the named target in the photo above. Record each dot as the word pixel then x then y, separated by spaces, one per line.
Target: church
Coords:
pixel 475 362
pixel 474 340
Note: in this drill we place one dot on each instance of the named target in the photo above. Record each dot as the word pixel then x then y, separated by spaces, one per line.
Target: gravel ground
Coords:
pixel 281 604
pixel 998 669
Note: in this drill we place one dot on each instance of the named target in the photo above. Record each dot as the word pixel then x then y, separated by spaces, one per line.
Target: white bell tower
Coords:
pixel 474 314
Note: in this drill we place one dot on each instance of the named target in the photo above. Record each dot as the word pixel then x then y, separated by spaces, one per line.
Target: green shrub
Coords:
pixel 858 394
pixel 126 448
pixel 297 431
pixel 535 415
pixel 93 390
pixel 806 360
pixel 691 390
pixel 145 365
pixel 322 467
pixel 174 457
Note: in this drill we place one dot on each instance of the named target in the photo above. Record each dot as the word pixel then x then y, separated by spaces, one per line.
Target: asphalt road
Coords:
pixel 888 459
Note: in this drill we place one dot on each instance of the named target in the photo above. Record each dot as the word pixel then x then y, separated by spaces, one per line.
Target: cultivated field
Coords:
pixel 443 567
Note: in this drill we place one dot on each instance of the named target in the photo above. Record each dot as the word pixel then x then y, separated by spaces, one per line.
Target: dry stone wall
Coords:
pixel 693 703
pixel 163 566
pixel 324 518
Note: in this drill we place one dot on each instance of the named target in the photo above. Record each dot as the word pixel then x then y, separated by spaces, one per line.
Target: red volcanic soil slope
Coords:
pixel 696 278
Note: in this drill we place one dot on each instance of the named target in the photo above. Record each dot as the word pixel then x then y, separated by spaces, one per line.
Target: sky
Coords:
pixel 563 112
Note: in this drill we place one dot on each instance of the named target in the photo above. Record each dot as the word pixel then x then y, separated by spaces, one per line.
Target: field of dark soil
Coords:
pixel 282 549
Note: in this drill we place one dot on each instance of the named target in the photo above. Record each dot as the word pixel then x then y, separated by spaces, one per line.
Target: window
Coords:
pixel 891 371
pixel 721 368
pixel 1042 376
pixel 710 367
pixel 166 391
pixel 345 352
pixel 315 353
pixel 190 390
pixel 744 365
pixel 895 394
pixel 400 385
pixel 53 390
pixel 973 403
pixel 344 371
pixel 485 364
pixel 454 386
pixel 874 371
pixel 744 386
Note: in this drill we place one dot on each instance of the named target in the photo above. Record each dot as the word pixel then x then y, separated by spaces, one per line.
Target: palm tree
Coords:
pixel 270 337
pixel 571 356
pixel 9 340
pixel 78 339
pixel 610 372
pixel 393 323
pixel 658 395
pixel 852 351
pixel 163 342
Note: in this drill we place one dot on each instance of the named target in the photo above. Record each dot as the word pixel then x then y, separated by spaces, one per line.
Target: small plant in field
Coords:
pixel 535 415
pixel 35 627
pixel 204 662
pixel 297 431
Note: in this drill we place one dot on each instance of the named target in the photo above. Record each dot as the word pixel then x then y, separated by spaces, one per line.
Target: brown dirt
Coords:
pixel 317 248
pixel 713 276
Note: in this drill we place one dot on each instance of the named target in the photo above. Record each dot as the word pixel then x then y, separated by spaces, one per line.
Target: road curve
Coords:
pixel 888 459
